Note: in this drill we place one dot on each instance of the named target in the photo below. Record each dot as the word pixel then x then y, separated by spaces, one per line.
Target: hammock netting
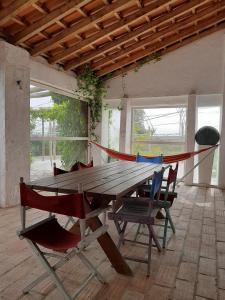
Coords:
pixel 168 159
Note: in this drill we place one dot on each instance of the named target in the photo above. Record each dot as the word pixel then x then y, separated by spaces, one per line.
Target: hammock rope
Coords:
pixel 168 159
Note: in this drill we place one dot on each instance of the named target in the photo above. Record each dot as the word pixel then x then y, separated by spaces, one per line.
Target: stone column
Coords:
pixel 190 137
pixel 14 121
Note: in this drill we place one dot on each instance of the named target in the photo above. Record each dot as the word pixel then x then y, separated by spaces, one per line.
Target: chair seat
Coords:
pixel 52 236
pixel 144 191
pixel 163 204
pixel 135 211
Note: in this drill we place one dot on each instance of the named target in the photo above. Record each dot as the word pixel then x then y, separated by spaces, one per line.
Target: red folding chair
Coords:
pixel 48 238
pixel 75 167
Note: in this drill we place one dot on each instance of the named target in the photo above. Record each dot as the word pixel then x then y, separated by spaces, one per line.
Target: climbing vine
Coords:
pixel 92 89
pixel 155 57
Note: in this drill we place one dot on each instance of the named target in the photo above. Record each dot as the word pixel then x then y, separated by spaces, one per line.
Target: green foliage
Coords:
pixel 156 56
pixel 71 117
pixel 92 89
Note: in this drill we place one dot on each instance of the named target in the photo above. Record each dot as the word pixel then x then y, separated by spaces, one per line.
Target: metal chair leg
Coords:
pixel 70 219
pixel 137 232
pixel 50 271
pixel 149 250
pixel 88 264
pixel 154 237
pixel 165 229
pixel 121 232
pixel 171 222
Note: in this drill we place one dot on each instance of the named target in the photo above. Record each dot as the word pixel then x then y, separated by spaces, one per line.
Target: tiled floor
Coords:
pixel 193 267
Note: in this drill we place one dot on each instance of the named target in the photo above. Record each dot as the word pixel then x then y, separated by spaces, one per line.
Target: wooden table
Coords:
pixel 105 183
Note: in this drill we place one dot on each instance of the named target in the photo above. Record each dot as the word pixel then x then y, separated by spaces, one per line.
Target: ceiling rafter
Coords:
pixel 110 35
pixel 13 9
pixel 176 27
pixel 48 20
pixel 132 66
pixel 129 36
pixel 79 26
pixel 165 43
pixel 109 30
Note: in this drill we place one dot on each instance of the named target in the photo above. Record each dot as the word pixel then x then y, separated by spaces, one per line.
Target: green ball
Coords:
pixel 207 135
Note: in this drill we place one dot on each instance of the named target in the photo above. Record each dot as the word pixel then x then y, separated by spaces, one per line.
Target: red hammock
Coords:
pixel 166 159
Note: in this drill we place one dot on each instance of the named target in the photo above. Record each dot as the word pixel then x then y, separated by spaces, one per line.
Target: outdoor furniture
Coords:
pixel 48 239
pixel 78 165
pixel 141 211
pixel 105 183
pixel 166 198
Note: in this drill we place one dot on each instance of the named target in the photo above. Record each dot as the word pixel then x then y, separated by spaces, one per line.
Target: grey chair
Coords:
pixel 139 211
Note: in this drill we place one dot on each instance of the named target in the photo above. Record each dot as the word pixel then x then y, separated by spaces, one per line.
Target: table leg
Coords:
pixel 107 245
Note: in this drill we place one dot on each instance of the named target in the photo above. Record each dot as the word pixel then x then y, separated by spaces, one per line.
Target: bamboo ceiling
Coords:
pixel 111 36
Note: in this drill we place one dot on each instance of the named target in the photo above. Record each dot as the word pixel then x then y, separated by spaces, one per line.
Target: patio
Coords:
pixel 193 267
pixel 139 77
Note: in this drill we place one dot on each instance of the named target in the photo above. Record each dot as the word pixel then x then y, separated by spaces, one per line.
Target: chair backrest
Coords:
pixel 58 171
pixel 153 160
pixel 156 185
pixel 172 177
pixel 84 166
pixel 75 167
pixel 69 205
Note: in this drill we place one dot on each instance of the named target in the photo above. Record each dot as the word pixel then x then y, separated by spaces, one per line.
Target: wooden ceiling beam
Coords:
pixel 13 9
pixel 159 35
pixel 183 43
pixel 129 36
pixel 108 31
pixel 48 20
pixel 165 43
pixel 79 26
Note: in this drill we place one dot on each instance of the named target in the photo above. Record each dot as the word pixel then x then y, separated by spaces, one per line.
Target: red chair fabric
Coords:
pixel 53 236
pixel 84 166
pixel 58 171
pixel 75 167
pixel 69 205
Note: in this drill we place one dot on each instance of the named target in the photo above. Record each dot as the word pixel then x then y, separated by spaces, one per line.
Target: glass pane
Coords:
pixel 113 131
pixel 159 124
pixel 209 116
pixel 165 149
pixel 63 153
pixel 55 123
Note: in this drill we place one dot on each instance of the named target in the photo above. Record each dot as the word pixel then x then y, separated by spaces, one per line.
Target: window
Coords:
pixel 158 131
pixel 209 116
pixel 59 131
pixel 111 130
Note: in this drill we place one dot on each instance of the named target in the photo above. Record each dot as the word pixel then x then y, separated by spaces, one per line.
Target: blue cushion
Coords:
pixel 153 160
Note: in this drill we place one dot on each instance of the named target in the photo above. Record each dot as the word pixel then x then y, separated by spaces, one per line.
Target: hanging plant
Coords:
pixel 92 89
pixel 155 57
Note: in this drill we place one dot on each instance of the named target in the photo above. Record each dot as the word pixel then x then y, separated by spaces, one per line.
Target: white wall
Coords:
pixel 197 67
pixel 45 75
pixel 14 121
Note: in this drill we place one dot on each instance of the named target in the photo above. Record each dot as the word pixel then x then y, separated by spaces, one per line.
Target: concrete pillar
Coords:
pixel 221 181
pixel 14 121
pixel 190 137
pixel 125 126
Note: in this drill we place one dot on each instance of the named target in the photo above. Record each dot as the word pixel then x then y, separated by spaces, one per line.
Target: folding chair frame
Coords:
pixel 168 220
pixel 121 220
pixel 64 257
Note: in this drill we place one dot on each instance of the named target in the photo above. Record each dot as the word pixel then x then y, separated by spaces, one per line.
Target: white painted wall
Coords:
pixel 44 75
pixel 196 67
pixel 14 121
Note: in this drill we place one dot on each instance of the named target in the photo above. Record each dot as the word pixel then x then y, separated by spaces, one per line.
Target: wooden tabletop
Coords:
pixel 112 180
